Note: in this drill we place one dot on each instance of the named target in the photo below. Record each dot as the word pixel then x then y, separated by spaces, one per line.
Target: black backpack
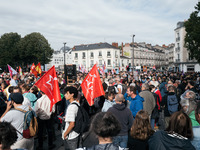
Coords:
pixel 112 89
pixel 155 112
pixel 81 120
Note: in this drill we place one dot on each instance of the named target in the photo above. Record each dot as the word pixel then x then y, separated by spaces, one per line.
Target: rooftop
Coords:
pixel 93 46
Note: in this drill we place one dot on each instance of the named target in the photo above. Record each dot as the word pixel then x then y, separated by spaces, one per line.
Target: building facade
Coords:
pixel 182 59
pixel 100 53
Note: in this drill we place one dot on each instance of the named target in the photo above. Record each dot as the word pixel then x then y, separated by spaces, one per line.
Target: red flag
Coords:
pixel 20 71
pixel 32 67
pixel 38 68
pixel 92 86
pixel 48 84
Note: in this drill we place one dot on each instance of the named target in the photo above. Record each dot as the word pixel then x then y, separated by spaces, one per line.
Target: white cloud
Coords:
pixel 82 22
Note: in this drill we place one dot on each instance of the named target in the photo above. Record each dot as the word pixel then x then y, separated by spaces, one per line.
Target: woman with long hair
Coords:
pixel 140 132
pixel 177 135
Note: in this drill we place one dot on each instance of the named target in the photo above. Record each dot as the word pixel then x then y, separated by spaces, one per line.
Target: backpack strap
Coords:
pixel 21 110
pixel 76 104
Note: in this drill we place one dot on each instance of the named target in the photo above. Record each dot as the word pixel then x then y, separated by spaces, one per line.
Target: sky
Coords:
pixel 93 21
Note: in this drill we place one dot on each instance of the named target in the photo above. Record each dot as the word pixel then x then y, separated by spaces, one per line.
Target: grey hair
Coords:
pixel 192 95
pixel 119 98
pixel 146 86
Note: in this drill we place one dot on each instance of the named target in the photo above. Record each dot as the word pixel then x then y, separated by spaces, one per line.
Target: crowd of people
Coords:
pixel 139 111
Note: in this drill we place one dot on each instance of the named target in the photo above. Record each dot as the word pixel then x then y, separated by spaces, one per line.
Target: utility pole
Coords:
pixel 64 63
pixel 133 51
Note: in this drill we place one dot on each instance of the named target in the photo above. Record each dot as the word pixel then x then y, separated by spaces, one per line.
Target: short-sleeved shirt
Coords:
pixel 16 118
pixel 70 116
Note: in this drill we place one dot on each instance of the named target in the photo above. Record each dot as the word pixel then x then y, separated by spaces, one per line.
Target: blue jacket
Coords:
pixel 136 104
pixel 163 89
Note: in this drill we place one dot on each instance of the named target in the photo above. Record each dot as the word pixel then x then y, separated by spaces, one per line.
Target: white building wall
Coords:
pixel 89 61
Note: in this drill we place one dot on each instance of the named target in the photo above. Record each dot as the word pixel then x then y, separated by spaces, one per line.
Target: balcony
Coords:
pixel 75 57
pixel 177 60
pixel 108 56
pixel 83 57
pixel 100 56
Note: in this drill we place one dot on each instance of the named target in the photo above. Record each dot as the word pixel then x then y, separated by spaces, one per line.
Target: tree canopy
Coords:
pixel 192 38
pixel 24 51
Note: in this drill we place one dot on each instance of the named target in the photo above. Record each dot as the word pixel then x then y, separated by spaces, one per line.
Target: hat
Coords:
pixel 17 97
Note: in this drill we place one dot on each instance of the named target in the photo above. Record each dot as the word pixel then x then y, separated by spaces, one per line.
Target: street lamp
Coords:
pixel 133 51
pixel 64 64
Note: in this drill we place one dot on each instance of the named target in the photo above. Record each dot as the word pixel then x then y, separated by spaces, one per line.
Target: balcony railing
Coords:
pixel 177 60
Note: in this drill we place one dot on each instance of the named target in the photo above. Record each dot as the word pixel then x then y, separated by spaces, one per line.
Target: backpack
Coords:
pixel 112 89
pixel 30 127
pixel 81 120
pixel 172 103
pixel 155 112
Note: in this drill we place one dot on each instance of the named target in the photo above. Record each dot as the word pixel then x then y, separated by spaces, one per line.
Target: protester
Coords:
pixel 171 104
pixel 16 118
pixel 140 132
pixel 45 120
pixel 109 101
pixel 196 128
pixel 105 126
pixel 8 136
pixel 71 138
pixel 149 101
pixel 125 118
pixel 177 135
pixel 135 101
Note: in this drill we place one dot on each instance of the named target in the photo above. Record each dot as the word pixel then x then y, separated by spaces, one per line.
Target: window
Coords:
pixel 91 63
pixel 109 62
pixel 76 55
pixel 84 63
pixel 100 62
pixel 83 55
pixel 91 55
pixel 108 54
pixel 116 54
pixel 100 53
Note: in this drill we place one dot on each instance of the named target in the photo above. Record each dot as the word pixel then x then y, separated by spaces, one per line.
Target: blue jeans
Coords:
pixel 196 140
pixel 152 123
pixel 121 141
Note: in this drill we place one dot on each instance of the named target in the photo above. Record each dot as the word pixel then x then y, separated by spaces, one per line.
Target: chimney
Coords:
pixel 127 45
pixel 115 44
pixel 122 49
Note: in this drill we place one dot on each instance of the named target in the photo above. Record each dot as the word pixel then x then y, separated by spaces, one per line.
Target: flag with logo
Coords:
pixel 92 86
pixel 38 68
pixel 48 84
pixel 32 67
pixel 11 71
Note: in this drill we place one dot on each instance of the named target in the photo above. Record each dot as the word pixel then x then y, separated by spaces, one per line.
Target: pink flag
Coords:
pixel 11 71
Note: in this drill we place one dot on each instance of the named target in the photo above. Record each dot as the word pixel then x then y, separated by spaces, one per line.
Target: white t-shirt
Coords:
pixel 119 86
pixel 70 116
pixel 16 118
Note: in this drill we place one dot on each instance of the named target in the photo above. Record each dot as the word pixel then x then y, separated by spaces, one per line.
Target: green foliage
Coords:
pixel 192 38
pixel 17 51
pixel 8 49
pixel 35 48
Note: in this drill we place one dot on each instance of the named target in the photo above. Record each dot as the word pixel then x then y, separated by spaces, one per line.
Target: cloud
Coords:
pixel 83 22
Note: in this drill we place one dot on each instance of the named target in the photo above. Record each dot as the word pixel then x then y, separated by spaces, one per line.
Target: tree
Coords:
pixel 35 48
pixel 192 38
pixel 9 53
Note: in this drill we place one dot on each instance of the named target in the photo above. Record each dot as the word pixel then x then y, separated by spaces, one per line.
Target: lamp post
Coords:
pixel 133 51
pixel 64 64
